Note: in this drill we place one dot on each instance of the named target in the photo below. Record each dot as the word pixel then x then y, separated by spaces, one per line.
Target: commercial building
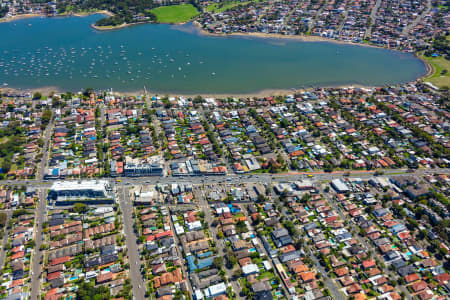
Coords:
pixel 90 192
pixel 136 168
pixel 339 186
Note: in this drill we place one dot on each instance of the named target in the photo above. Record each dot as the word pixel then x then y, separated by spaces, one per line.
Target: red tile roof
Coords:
pixel 60 260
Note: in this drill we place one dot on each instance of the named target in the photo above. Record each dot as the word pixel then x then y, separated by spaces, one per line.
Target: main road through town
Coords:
pixel 246 178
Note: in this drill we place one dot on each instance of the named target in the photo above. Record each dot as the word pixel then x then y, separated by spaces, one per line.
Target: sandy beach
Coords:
pixel 107 28
pixel 83 14
pixel 103 12
pixel 19 17
pixel 257 94
pixel 45 90
pixel 304 38
pixel 430 69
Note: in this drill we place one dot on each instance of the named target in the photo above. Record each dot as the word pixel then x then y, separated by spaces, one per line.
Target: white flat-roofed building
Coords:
pixel 85 191
pixel 339 186
pixel 215 290
pixel 250 269
pixel 304 184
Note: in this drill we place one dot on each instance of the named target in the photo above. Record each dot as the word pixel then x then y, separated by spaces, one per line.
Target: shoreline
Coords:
pixel 85 14
pixel 108 28
pixel 202 31
pixel 66 14
pixel 124 25
pixel 303 38
pixel 430 68
pixel 199 30
pixel 20 17
pixel 46 90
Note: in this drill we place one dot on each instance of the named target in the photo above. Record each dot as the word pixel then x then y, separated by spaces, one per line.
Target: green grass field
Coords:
pixel 214 8
pixel 175 13
pixel 439 78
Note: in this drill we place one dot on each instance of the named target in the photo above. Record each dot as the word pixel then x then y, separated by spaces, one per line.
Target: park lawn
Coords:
pixel 439 64
pixel 211 7
pixel 228 5
pixel 175 13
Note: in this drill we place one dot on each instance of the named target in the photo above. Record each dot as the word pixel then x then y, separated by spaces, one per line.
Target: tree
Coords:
pixel 231 259
pixel 88 292
pixel 3 217
pixel 291 228
pixel 97 112
pixel 6 165
pixel 284 123
pixel 218 262
pixel 241 227
pixel 261 198
pixel 46 116
pixel 31 243
pixel 80 208
pixel 238 273
pixel 88 91
pixel 37 96
pixel 4 10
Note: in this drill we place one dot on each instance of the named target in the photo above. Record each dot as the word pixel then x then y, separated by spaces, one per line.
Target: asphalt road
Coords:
pixel 363 241
pixel 237 179
pixel 37 266
pixel 126 208
pixel 179 253
pixel 220 245
pixel 373 14
pixel 5 238
pixel 269 259
pixel 47 136
pixel 132 247
pixel 331 285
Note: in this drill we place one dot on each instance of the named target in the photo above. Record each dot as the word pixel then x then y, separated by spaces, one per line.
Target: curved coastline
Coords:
pixel 199 30
pixel 428 66
pixel 20 17
pixel 304 38
pixel 202 31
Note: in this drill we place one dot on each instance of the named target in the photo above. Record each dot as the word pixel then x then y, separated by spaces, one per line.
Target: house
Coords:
pixel 250 269
pixel 285 257
pixel 411 278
